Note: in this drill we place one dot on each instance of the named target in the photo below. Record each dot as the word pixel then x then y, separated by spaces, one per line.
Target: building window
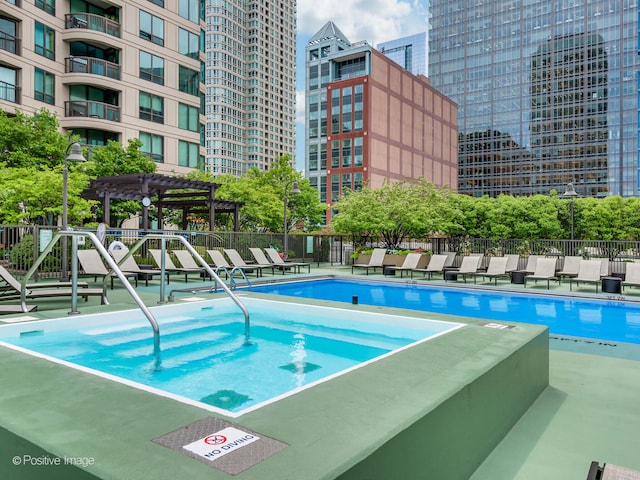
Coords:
pixel 335 188
pixel 8 78
pixel 188 117
pixel 346 152
pixel 151 28
pixel 151 107
pixel 160 3
pixel 313 157
pixel 188 43
pixel 45 41
pixel 188 154
pixel 8 35
pixel 189 9
pixel 357 152
pixel 188 81
pixel 44 88
pixel 48 6
pixel 335 153
pixel 151 68
pixel 152 145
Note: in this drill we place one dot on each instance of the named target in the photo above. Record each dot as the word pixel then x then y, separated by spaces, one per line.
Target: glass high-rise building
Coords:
pixel 250 77
pixel 409 52
pixel 547 93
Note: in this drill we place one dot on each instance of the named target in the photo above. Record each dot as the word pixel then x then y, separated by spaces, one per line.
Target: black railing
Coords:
pixel 91 109
pixel 9 92
pixel 95 66
pixel 92 21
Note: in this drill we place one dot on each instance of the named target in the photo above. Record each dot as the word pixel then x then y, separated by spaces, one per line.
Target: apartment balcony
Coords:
pixel 93 66
pixel 92 109
pixel 9 43
pixel 94 22
pixel 10 93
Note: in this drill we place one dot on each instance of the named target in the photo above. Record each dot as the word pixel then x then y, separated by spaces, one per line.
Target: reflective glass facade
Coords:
pixel 409 52
pixel 547 93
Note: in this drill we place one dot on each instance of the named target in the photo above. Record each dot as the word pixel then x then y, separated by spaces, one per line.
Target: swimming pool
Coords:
pixel 204 357
pixel 564 315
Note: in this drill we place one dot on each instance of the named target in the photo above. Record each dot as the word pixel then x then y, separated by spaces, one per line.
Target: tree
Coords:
pixel 263 195
pixel 393 212
pixel 31 141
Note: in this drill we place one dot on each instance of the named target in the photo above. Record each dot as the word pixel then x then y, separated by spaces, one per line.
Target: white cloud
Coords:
pixel 372 20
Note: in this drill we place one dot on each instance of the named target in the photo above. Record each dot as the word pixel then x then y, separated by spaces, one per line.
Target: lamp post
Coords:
pixel 571 194
pixel 74 156
pixel 294 189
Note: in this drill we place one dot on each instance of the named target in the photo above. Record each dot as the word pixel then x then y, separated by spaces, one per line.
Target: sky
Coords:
pixel 375 21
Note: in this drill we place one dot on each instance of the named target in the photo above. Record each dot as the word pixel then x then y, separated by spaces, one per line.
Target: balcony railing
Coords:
pixel 9 92
pixel 9 43
pixel 92 22
pixel 95 66
pixel 91 109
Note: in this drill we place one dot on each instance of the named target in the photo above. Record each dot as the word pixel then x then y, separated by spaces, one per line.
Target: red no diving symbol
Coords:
pixel 215 439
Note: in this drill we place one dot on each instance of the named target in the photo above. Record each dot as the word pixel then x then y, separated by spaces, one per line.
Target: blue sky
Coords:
pixel 375 21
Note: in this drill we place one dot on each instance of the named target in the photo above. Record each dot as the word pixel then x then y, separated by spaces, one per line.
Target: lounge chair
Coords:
pixel 376 260
pixel 532 260
pixel 217 257
pixel 604 267
pixel 409 265
pixel 262 260
pixel 545 270
pixel 469 266
pixel 12 290
pixel 570 267
pixel 589 272
pixel 277 259
pixel 451 259
pixel 513 259
pixel 237 261
pixel 437 264
pixel 169 266
pixel 632 275
pixel 497 268
pixel 187 262
pixel 92 265
pixel 131 266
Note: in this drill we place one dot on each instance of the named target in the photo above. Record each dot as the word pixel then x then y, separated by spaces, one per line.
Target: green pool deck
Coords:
pixel 588 411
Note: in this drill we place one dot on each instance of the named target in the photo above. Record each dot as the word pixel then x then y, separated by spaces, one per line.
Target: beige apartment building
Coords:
pixel 110 70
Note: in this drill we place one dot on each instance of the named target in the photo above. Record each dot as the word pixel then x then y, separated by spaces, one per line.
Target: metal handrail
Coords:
pixel 233 282
pixel 163 250
pixel 74 274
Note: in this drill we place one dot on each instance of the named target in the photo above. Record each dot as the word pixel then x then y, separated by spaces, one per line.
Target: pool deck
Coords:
pixel 589 412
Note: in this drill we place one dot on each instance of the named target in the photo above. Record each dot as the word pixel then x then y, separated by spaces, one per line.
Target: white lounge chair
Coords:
pixel 545 270
pixel 532 260
pixel 497 268
pixel 437 264
pixel 469 266
pixel 217 257
pixel 169 266
pixel 376 260
pixel 513 259
pixel 570 267
pixel 277 259
pixel 409 265
pixel 92 265
pixel 632 275
pixel 589 272
pixel 129 265
pixel 188 263
pixel 262 260
pixel 237 261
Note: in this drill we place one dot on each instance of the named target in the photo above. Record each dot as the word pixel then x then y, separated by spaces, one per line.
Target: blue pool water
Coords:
pixel 203 355
pixel 580 317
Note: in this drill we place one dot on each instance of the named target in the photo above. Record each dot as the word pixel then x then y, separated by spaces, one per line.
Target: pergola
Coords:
pixel 197 197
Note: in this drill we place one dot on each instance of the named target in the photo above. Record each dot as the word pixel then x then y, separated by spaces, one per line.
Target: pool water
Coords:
pixel 204 355
pixel 581 317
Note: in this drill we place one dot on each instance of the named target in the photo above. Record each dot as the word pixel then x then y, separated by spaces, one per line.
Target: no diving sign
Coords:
pixel 220 443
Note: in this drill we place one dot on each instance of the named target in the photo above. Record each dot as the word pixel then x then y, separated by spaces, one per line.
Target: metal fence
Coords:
pixel 21 245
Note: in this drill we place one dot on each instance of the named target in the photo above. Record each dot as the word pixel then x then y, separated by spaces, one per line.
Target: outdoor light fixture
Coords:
pixel 74 156
pixel 571 194
pixel 294 189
